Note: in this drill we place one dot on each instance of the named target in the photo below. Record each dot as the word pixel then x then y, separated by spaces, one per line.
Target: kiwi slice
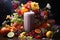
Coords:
pixel 10 34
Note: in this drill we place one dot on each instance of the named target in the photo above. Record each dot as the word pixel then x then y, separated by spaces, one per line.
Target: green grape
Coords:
pixel 22 37
pixel 43 30
pixel 14 19
pixel 19 7
pixel 14 13
pixel 15 16
pixel 29 37
pixel 19 19
pixel 21 16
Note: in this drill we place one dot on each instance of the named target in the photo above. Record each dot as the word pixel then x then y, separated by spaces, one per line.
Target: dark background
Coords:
pixel 5 9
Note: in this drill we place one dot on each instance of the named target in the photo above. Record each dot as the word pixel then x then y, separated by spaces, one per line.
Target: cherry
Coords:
pixel 19 12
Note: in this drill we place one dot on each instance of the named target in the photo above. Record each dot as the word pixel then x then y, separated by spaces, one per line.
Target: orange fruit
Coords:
pixel 24 10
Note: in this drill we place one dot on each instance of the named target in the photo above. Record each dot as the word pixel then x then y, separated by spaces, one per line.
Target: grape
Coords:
pixel 29 37
pixel 14 19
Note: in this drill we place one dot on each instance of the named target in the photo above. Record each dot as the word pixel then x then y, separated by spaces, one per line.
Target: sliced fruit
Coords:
pixel 10 34
pixel 37 30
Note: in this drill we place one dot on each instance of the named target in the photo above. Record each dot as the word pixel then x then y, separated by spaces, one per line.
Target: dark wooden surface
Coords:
pixel 16 38
pixel 5 38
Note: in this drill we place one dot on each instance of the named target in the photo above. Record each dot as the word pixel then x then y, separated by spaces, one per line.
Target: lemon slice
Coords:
pixel 10 34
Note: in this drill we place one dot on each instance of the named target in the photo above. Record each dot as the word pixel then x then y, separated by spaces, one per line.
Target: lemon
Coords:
pixel 49 34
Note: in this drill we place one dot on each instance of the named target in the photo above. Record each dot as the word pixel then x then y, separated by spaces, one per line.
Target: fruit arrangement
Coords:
pixel 43 26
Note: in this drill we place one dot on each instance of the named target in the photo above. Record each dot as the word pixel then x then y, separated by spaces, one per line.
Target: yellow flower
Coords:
pixel 34 6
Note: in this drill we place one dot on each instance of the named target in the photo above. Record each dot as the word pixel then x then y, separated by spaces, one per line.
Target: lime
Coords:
pixel 10 34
